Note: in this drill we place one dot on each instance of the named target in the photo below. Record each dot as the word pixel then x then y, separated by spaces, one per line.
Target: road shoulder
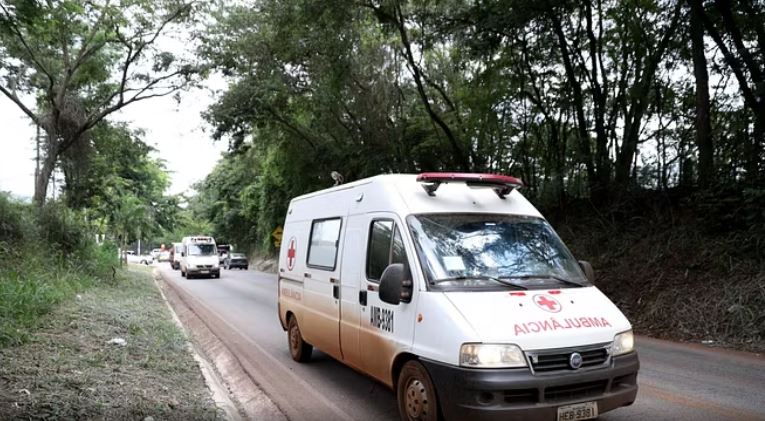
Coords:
pixel 226 372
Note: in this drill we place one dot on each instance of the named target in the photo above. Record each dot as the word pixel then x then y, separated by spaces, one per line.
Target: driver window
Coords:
pixel 385 246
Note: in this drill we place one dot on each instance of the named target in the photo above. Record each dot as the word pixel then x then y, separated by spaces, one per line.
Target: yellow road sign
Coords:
pixel 277 234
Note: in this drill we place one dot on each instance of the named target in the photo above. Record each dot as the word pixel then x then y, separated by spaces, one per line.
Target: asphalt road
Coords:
pixel 677 381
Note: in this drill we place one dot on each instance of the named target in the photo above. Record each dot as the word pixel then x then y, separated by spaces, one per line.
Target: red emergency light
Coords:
pixel 501 184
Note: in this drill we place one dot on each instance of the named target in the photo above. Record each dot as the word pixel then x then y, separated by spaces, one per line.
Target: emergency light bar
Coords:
pixel 501 184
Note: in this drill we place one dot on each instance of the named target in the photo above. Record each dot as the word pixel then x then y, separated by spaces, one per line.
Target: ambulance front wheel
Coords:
pixel 299 349
pixel 416 395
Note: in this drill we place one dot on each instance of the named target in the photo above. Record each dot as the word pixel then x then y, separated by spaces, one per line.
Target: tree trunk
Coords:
pixel 43 177
pixel 599 99
pixel 704 141
pixel 583 135
pixel 639 106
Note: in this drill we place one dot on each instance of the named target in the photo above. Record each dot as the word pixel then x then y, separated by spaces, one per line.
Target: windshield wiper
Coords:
pixel 553 277
pixel 481 277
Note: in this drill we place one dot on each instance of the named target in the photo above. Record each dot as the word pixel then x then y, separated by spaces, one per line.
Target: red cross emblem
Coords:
pixel 291 253
pixel 547 303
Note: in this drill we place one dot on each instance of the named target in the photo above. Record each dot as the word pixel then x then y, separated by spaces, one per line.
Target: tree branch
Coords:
pixel 20 104
pixel 32 56
pixel 731 59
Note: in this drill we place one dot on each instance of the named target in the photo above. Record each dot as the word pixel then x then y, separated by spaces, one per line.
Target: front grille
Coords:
pixel 575 391
pixel 521 396
pixel 562 393
pixel 204 266
pixel 555 360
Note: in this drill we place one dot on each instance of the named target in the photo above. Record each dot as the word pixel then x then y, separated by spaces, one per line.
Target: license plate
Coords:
pixel 579 411
pixel 204 271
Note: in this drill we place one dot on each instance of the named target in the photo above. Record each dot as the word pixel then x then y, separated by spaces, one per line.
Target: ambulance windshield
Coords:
pixel 486 250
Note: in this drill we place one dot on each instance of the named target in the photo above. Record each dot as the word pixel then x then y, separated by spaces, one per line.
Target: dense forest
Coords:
pixel 596 99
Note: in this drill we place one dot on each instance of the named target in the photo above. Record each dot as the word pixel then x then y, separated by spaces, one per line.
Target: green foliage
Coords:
pixel 122 189
pixel 586 99
pixel 12 221
pixel 47 255
pixel 63 230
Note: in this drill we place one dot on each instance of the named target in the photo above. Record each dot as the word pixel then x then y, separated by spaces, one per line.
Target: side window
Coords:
pixel 322 249
pixel 378 252
pixel 398 252
pixel 386 246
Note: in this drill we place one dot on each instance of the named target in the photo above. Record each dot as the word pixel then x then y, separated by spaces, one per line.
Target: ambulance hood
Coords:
pixel 541 319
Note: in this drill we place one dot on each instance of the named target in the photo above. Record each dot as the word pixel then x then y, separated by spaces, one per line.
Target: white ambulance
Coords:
pixel 453 290
pixel 199 257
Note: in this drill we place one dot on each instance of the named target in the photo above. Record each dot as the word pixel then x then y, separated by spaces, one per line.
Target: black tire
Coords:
pixel 415 393
pixel 300 350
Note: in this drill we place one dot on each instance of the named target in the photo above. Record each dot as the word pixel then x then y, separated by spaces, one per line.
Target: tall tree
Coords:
pixel 82 61
pixel 737 30
pixel 704 141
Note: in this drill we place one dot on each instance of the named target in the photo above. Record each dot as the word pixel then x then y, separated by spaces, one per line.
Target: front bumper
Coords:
pixel 510 394
pixel 203 272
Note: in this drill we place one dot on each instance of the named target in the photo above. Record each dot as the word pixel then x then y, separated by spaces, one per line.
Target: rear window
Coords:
pixel 322 250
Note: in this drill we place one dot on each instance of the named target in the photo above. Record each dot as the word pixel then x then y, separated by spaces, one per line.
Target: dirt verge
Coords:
pixel 249 398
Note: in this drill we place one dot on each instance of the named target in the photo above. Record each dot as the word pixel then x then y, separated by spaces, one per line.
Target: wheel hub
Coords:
pixel 294 338
pixel 416 400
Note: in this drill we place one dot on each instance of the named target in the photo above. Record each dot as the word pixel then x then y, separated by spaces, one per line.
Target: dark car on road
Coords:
pixel 236 260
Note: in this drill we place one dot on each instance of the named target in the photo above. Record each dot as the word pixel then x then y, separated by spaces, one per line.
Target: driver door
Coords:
pixel 384 329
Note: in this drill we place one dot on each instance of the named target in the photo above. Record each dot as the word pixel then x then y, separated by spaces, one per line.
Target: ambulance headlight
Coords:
pixel 491 356
pixel 623 343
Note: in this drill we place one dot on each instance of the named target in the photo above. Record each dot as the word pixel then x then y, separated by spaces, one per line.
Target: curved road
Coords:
pixel 677 381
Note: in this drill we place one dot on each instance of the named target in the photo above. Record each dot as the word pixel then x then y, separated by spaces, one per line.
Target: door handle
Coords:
pixel 336 291
pixel 363 298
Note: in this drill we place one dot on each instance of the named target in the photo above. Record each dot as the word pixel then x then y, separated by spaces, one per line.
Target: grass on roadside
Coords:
pixel 46 256
pixel 68 368
pixel 31 290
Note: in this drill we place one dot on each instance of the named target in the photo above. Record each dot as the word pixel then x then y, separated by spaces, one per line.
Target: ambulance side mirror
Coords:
pixel 587 268
pixel 396 284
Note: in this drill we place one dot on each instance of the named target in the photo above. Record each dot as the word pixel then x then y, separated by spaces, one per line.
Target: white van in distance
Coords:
pixel 453 290
pixel 175 255
pixel 199 257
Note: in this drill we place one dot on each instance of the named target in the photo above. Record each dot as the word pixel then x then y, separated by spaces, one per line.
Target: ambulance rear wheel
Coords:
pixel 299 349
pixel 416 395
